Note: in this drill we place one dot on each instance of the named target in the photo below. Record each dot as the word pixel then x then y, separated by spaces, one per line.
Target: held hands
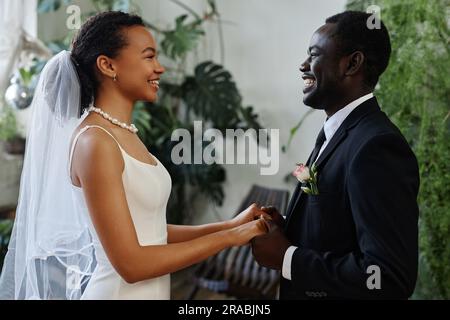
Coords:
pixel 242 234
pixel 251 213
pixel 276 216
pixel 264 228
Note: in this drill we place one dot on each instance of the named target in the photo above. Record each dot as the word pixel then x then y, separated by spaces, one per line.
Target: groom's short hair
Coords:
pixel 355 32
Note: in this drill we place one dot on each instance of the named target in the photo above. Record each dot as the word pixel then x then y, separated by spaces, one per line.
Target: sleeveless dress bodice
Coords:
pixel 147 189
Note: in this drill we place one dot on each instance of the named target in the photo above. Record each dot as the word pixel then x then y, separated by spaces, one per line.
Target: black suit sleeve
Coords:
pixel 382 185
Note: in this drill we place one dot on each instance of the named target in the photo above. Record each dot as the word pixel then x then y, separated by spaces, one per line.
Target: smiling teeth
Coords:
pixel 308 82
pixel 154 82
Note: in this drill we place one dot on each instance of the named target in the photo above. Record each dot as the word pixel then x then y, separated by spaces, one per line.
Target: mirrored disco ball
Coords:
pixel 18 96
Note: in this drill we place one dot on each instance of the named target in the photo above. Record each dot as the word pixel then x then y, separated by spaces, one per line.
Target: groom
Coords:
pixel 358 238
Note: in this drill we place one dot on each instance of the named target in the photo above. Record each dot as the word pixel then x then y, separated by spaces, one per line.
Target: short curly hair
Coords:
pixel 100 35
pixel 353 34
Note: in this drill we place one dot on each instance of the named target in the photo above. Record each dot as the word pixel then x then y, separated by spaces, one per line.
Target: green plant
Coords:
pixel 51 5
pixel 5 234
pixel 415 93
pixel 209 94
pixel 8 124
pixel 295 129
pixel 29 74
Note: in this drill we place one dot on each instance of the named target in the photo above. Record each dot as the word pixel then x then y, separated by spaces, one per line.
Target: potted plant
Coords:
pixel 13 142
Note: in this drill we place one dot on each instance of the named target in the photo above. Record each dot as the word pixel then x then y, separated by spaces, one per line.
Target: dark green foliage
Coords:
pixel 415 93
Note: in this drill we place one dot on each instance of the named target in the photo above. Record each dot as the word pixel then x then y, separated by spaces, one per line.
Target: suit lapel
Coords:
pixel 352 120
pixel 293 203
pixel 295 197
pixel 332 145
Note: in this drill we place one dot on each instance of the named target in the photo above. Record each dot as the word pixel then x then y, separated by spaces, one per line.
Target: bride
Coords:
pixel 91 218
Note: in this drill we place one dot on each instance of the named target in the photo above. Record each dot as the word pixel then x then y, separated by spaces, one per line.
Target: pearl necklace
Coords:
pixel 131 127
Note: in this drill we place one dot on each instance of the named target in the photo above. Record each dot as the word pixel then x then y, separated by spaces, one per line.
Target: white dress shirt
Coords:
pixel 330 127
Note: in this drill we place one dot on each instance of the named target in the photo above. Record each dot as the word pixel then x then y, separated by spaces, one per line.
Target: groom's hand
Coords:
pixel 275 215
pixel 269 249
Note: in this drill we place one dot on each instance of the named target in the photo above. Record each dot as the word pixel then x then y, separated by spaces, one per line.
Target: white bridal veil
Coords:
pixel 50 255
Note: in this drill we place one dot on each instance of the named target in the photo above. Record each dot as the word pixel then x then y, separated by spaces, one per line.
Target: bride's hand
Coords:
pixel 251 213
pixel 244 233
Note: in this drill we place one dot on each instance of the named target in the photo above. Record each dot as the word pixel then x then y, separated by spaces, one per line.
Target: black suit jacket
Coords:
pixel 366 214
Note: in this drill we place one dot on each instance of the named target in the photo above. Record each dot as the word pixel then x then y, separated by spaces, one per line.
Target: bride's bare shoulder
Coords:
pixel 95 145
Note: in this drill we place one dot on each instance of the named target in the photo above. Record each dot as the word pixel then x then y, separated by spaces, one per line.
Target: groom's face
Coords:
pixel 321 70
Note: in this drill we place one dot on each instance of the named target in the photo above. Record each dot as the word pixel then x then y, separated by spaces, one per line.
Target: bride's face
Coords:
pixel 137 66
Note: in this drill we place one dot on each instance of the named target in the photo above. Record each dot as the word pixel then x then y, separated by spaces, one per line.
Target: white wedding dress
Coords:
pixel 147 189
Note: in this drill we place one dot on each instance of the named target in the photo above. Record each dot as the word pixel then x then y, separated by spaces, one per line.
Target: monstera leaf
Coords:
pixel 249 119
pixel 179 41
pixel 209 179
pixel 212 94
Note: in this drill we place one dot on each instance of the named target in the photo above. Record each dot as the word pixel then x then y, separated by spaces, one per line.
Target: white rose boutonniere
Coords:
pixel 308 176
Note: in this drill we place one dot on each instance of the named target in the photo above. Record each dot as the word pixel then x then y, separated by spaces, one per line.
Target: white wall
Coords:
pixel 265 43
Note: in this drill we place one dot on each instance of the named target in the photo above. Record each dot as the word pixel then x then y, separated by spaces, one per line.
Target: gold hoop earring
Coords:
pixel 115 78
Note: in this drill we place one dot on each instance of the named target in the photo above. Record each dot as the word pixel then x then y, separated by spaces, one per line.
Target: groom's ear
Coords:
pixel 355 62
